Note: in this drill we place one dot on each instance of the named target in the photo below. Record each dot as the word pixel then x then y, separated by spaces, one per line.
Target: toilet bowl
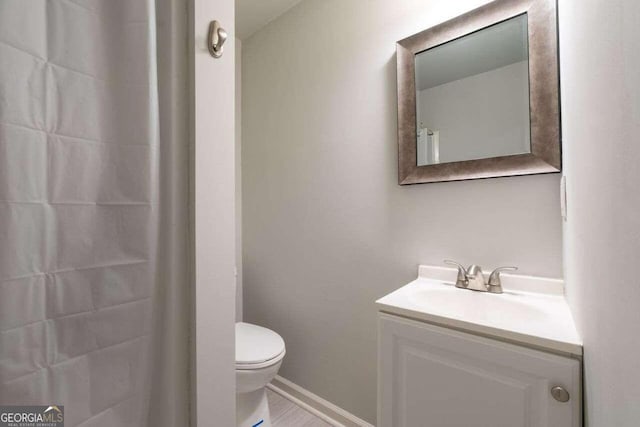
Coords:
pixel 259 354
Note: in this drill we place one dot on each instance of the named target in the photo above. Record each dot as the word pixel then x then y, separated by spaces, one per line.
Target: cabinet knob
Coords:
pixel 560 394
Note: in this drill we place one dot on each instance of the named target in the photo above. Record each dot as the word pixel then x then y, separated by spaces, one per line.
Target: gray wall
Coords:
pixel 480 116
pixel 600 63
pixel 326 228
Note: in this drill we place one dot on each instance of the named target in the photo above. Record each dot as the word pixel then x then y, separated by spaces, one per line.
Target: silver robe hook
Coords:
pixel 217 37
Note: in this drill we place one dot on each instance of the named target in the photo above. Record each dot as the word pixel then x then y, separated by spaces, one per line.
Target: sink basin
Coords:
pixel 528 317
pixel 485 306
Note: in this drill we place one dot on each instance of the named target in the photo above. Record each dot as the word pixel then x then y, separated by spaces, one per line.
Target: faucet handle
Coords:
pixel 494 283
pixel 461 281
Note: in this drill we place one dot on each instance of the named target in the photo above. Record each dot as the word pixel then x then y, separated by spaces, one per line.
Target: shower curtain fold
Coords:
pixel 94 283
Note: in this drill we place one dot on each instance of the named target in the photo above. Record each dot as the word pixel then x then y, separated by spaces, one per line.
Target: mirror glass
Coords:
pixel 472 96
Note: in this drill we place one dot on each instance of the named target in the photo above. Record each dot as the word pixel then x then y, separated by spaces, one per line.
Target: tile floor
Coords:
pixel 285 413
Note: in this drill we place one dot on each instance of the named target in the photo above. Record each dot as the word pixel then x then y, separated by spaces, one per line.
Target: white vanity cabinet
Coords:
pixel 433 376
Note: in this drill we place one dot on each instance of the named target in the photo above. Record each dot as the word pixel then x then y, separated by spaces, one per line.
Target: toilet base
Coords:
pixel 252 409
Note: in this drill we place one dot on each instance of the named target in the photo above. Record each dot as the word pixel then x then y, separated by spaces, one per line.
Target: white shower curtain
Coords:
pixel 94 285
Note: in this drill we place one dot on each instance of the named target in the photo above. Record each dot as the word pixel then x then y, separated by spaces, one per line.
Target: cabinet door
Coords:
pixel 431 376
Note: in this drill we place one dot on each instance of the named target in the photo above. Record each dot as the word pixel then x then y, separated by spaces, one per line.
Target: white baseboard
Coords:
pixel 313 403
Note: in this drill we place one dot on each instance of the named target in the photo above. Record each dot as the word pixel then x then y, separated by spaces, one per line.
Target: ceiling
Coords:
pixel 485 50
pixel 252 15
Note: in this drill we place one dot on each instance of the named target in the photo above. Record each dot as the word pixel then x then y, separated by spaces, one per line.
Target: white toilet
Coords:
pixel 259 354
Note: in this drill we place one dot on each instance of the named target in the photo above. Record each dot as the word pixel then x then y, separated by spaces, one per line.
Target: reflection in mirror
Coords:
pixel 472 96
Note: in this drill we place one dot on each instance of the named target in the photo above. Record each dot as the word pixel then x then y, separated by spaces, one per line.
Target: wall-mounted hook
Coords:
pixel 217 37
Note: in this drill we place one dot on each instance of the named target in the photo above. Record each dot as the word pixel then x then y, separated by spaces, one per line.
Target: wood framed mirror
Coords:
pixel 478 95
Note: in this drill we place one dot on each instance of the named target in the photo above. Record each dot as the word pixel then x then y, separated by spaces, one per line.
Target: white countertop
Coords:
pixel 531 311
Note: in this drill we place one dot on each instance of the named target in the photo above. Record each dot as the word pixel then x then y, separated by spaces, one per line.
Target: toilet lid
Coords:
pixel 255 344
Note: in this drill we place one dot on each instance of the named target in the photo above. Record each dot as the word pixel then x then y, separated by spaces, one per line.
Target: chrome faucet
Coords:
pixel 472 278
